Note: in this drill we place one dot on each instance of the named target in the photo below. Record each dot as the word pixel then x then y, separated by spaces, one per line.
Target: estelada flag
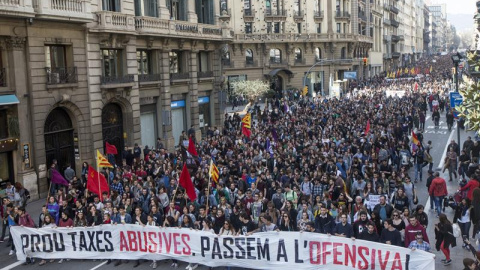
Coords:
pixel 110 149
pixel 247 121
pixel 186 182
pixel 367 128
pixel 214 173
pixel 415 139
pixel 191 147
pixel 102 161
pixel 96 182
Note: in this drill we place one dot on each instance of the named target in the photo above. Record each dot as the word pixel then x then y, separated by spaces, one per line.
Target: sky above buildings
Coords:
pixel 459 12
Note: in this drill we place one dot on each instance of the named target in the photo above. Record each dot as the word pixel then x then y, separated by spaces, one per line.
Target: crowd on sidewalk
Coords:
pixel 309 165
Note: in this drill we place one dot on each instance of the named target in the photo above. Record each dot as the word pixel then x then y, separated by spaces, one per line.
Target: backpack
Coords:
pixel 456 230
pixel 27 194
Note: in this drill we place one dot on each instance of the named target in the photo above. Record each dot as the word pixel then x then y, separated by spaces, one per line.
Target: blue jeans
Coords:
pixel 438 204
pixel 418 171
pixel 464 228
pixel 432 200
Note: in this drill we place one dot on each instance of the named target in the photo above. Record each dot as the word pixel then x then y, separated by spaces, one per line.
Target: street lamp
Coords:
pixel 456 59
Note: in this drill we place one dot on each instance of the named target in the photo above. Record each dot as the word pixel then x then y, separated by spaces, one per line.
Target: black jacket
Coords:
pixel 365 235
pixel 324 225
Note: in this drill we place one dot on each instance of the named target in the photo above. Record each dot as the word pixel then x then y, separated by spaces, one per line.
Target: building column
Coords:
pixel 164 101
pixel 216 11
pixel 193 94
pixel 191 14
pixel 163 12
pixel 18 73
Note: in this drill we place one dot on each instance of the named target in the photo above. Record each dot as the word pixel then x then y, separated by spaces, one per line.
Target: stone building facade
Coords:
pixel 77 73
pixel 280 40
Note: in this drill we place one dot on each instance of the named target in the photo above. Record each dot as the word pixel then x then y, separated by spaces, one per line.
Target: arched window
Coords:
pixel 318 54
pixel 248 57
pixel 343 53
pixel 298 55
pixel 226 59
pixel 275 56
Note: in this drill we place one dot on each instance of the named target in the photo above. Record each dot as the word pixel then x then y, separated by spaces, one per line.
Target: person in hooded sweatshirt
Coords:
pixel 370 233
pixel 412 229
pixel 360 225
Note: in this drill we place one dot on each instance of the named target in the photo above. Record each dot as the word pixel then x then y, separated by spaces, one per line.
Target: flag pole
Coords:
pixel 98 177
pixel 208 184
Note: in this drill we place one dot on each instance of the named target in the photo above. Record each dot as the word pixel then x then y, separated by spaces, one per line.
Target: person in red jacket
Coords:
pixel 438 189
pixel 470 186
pixel 25 220
pixel 412 229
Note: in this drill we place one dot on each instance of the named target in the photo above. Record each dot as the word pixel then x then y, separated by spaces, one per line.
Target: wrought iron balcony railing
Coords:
pixel 62 75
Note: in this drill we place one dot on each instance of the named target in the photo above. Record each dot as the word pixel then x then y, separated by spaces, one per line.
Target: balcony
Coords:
pixel 291 37
pixel 65 10
pixel 170 28
pixel 110 21
pixel 396 55
pixel 387 56
pixel 395 38
pixel 3 77
pixel 394 9
pixel 149 78
pixel 251 63
pixel 119 81
pixel 298 15
pixel 205 75
pixel 227 63
pixel 395 23
pixel 275 14
pixel 318 15
pixel 177 77
pixel 277 63
pixel 249 15
pixel 17 8
pixel 342 15
pixel 387 21
pixel 57 76
pixel 300 62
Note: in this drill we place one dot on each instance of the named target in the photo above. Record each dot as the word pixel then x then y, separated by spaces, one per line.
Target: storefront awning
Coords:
pixel 275 71
pixel 8 100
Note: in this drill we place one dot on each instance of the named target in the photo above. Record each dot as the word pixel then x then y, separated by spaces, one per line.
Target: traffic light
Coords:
pixel 305 90
pixel 365 61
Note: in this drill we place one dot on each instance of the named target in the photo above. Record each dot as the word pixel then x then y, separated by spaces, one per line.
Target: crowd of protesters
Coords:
pixel 309 165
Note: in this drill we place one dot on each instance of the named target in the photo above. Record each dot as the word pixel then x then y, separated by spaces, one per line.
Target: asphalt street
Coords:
pixel 440 138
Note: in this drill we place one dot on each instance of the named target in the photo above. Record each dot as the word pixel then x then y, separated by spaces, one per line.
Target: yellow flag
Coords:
pixel 305 90
pixel 102 161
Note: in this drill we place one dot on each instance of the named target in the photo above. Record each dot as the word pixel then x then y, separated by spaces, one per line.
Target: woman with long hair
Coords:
pixel 462 217
pixel 285 224
pixel 445 238
pixel 48 222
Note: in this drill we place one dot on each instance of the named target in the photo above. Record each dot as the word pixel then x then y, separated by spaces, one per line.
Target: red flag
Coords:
pixel 110 149
pixel 415 139
pixel 416 86
pixel 191 147
pixel 246 131
pixel 187 184
pixel 367 128
pixel 96 185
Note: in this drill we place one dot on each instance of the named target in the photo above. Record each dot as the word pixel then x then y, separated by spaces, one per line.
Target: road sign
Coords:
pixel 455 99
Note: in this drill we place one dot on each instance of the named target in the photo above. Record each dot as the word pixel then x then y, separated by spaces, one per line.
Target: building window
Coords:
pixel 275 56
pixel 111 5
pixel 248 28
pixel 318 54
pixel 269 27
pixel 55 56
pixel 247 7
pixel 204 10
pixel 4 124
pixel 223 6
pixel 204 62
pixel 296 6
pixel 177 62
pixel 112 63
pixel 343 53
pixel 249 57
pixel 276 28
pixel 319 28
pixel 146 8
pixel 299 28
pixel 345 29
pixel 318 6
pixel 298 55
pixel 339 27
pixel 144 62
pixel 177 9
pixel 337 6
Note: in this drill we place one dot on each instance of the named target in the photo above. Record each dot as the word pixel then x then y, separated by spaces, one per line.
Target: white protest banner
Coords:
pixel 373 200
pixel 273 250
